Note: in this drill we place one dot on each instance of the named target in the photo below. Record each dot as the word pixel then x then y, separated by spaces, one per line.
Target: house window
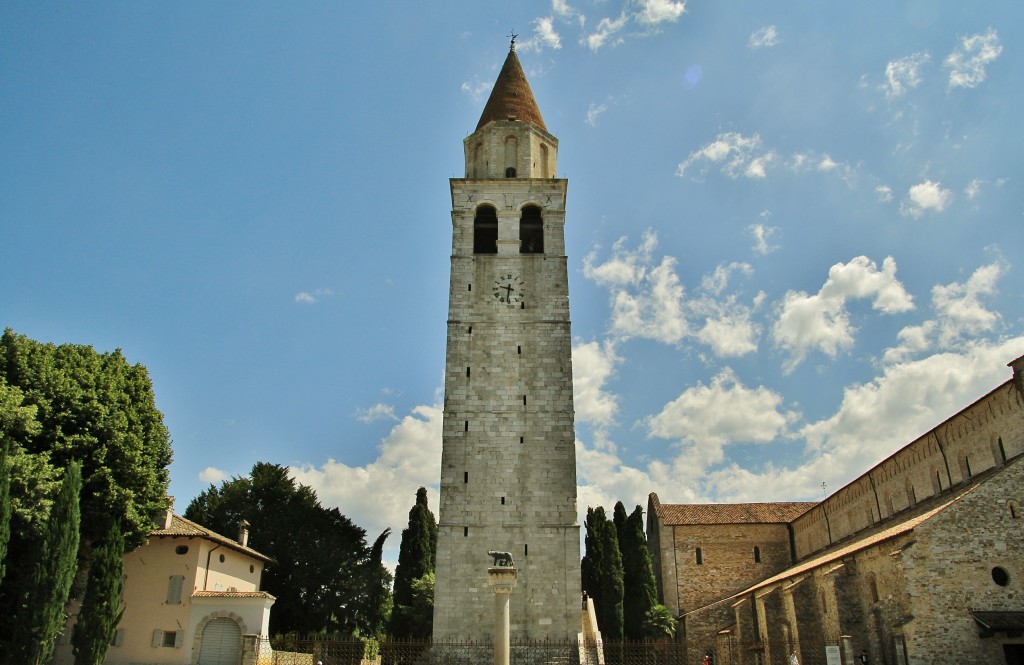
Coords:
pixel 174 586
pixel 222 558
pixel 757 554
pixel 168 638
pixel 181 549
pixel 1000 576
pixel 699 555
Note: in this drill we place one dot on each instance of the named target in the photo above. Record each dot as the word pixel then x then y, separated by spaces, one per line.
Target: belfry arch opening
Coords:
pixel 531 231
pixel 485 230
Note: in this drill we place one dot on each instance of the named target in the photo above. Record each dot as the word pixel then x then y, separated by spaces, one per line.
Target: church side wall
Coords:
pixel 975 440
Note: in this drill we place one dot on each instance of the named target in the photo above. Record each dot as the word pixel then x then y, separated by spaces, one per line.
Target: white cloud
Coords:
pixel 765 37
pixel 606 28
pixel 973 188
pixel 593 363
pixel 379 411
pixel 647 298
pixel 653 12
pixel 213 475
pixel 564 10
pixel 763 235
pixel 884 193
pixel 737 154
pixel 904 73
pixel 311 297
pixel 727 325
pixel 707 418
pixel 594 111
pixel 477 89
pixel 820 321
pixel 968 60
pixel 409 458
pixel 960 316
pixel 717 281
pixel 544 35
pixel 925 196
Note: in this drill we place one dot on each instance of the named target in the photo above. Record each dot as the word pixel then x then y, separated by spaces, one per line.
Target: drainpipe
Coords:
pixel 206 577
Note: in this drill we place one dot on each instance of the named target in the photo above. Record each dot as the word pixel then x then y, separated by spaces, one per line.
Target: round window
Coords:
pixel 1000 576
pixel 222 558
pixel 181 549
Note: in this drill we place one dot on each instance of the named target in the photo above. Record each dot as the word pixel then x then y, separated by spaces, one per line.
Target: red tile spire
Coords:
pixel 511 97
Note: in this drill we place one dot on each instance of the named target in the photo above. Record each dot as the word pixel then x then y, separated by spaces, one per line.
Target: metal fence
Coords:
pixel 522 652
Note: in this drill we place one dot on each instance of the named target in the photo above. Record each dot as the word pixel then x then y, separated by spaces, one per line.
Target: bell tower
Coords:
pixel 508 463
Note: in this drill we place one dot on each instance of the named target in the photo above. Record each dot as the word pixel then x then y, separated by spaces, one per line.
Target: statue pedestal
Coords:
pixel 501 580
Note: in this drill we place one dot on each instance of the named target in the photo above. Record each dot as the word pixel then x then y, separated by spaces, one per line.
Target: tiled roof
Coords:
pixel 232 594
pixel 679 514
pixel 181 527
pixel 511 97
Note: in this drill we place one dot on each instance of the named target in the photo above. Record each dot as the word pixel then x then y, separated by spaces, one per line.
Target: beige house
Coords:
pixel 190 596
pixel 919 560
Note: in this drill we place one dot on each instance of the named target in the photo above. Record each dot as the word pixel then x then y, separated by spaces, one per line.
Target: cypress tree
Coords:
pixel 638 574
pixel 41 616
pixel 415 560
pixel 590 566
pixel 101 608
pixel 609 612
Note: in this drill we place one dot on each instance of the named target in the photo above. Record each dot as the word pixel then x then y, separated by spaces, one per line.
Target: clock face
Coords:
pixel 508 289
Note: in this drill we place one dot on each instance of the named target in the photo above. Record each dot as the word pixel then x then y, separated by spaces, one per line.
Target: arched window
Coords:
pixel 531 231
pixel 485 230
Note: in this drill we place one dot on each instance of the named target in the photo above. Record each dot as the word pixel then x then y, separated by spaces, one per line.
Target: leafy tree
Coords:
pixel 41 618
pixel 659 623
pixel 378 588
pixel 640 593
pixel 101 608
pixel 420 611
pixel 322 562
pixel 86 406
pixel 602 575
pixel 15 421
pixel 415 559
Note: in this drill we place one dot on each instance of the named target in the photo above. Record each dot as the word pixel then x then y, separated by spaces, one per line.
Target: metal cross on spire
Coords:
pixel 512 46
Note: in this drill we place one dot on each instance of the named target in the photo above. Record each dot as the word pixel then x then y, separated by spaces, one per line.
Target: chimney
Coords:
pixel 168 514
pixel 243 533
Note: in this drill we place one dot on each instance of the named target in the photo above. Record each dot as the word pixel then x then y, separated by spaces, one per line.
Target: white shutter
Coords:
pixel 179 638
pixel 174 589
pixel 158 637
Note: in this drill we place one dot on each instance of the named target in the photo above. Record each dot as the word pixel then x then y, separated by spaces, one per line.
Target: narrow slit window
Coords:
pixel 699 556
pixel 465 532
pixel 520 439
pixel 526 550
pixel 503 501
pixel 470 287
pixel 467 372
pixel 470 331
pixel 519 350
pixel 524 400
pixel 465 476
pixel 757 554
pixel 466 427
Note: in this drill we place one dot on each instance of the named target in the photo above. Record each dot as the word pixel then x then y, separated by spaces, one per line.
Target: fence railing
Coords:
pixel 418 652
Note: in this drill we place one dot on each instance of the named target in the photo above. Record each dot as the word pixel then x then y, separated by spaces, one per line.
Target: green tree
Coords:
pixel 415 559
pixel 16 420
pixel 321 558
pixel 659 623
pixel 601 571
pixel 41 617
pixel 640 593
pixel 101 608
pixel 87 406
pixel 377 595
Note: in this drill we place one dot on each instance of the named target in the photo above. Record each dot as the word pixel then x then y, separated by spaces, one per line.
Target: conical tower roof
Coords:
pixel 511 97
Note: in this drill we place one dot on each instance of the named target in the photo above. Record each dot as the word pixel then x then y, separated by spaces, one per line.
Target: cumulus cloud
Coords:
pixel 925 196
pixel 593 364
pixel 765 37
pixel 647 298
pixel 213 475
pixel 409 457
pixel 884 193
pixel 820 322
pixel 725 324
pixel 706 418
pixel 379 411
pixel 606 29
pixel 968 60
pixel 544 36
pixel 904 73
pixel 476 89
pixel 735 154
pixel 653 12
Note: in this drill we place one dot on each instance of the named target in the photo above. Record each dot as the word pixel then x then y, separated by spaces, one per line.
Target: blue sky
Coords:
pixel 794 229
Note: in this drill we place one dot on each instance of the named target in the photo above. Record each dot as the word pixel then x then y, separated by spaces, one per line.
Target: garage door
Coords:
pixel 221 644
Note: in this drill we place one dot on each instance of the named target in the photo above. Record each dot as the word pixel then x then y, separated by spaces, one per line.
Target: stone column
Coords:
pixel 501 580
